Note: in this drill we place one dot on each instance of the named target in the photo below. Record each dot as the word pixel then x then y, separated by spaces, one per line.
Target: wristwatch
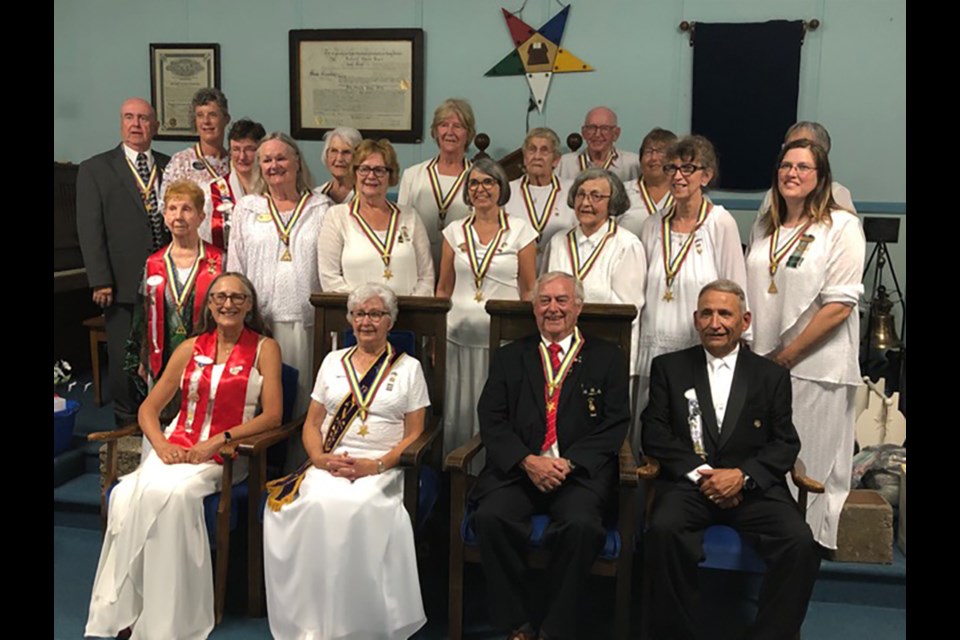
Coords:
pixel 380 466
pixel 227 437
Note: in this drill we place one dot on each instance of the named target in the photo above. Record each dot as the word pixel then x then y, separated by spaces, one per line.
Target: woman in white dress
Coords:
pixel 490 255
pixel 273 242
pixel 609 261
pixel 338 149
pixel 540 194
pixel 689 245
pixel 370 239
pixel 155 573
pixel 650 193
pixel 804 270
pixel 222 193
pixel 434 187
pixel 339 557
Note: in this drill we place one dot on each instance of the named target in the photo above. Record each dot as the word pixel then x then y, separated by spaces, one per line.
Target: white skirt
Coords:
pixel 340 561
pixel 155 571
pixel 296 350
pixel 824 416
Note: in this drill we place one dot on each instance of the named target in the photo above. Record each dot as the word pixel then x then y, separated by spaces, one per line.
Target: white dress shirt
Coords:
pixel 720 374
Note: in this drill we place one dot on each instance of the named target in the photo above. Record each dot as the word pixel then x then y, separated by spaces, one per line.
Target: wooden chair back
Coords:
pixel 511 320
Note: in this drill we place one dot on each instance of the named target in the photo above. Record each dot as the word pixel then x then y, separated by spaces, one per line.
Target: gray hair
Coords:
pixel 348 134
pixel 550 276
pixel 725 286
pixel 547 133
pixel 207 95
pixel 619 202
pixel 304 177
pixel 374 290
pixel 817 130
pixel 493 169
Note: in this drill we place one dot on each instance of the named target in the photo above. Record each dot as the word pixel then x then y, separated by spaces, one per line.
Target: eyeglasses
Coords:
pixel 365 170
pixel 375 315
pixel 687 169
pixel 803 169
pixel 653 151
pixel 595 197
pixel 487 183
pixel 605 129
pixel 236 298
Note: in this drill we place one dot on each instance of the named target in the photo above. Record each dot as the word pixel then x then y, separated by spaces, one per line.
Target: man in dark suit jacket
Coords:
pixel 120 223
pixel 720 423
pixel 552 424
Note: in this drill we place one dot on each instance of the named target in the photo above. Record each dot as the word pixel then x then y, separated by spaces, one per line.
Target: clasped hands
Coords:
pixel 722 487
pixel 545 473
pixel 343 465
pixel 171 453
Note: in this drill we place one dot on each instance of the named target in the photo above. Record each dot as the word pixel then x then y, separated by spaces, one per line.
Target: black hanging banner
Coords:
pixel 746 81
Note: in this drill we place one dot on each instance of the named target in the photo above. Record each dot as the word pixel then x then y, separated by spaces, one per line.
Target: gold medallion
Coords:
pixel 286 257
pixel 211 268
pixel 363 430
pixel 181 331
pixel 773 286
pixel 479 296
pixel 668 295
pixel 387 274
pixel 551 406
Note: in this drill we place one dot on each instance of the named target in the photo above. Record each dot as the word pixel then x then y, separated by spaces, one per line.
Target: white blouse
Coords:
pixel 827 267
pixel 617 277
pixel 283 287
pixel 347 259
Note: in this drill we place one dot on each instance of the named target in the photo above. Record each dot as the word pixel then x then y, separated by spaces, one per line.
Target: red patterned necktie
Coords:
pixel 552 400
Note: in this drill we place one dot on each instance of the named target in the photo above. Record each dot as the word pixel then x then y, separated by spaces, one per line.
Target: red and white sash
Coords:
pixel 227 411
pixel 209 266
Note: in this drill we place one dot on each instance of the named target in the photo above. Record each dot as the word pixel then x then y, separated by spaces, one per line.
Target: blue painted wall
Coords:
pixel 853 76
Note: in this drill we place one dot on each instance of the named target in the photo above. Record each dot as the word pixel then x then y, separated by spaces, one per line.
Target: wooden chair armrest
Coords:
pixel 107 436
pixel 413 454
pixel 649 468
pixel 800 478
pixel 628 465
pixel 260 442
pixel 459 458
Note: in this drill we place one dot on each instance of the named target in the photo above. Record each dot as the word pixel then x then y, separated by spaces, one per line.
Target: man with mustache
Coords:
pixel 719 421
pixel 120 223
pixel 553 415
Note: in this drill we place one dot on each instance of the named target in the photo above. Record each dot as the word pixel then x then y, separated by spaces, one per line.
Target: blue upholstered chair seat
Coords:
pixel 724 548
pixel 611 545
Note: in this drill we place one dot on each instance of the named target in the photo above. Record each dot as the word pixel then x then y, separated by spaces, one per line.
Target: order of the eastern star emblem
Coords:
pixel 537 54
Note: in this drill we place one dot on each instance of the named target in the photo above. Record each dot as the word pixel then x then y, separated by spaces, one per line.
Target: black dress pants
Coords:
pixel 770 522
pixel 575 537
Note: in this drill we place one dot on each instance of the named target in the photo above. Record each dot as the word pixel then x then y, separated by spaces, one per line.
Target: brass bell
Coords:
pixel 883 333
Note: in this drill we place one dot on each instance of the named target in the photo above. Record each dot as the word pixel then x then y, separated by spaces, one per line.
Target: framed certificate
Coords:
pixel 368 79
pixel 176 72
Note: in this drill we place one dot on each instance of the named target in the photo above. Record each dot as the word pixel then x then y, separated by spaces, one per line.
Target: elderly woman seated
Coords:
pixel 154 569
pixel 338 545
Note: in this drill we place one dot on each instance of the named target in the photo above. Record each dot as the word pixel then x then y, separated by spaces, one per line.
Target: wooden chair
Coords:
pixel 97 328
pixel 723 548
pixel 510 320
pixel 254 448
pixel 512 163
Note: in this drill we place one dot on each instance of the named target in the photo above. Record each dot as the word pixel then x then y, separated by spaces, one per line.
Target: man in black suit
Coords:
pixel 120 223
pixel 720 423
pixel 553 415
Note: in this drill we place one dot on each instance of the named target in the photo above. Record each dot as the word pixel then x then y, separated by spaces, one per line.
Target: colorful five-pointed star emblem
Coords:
pixel 537 54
